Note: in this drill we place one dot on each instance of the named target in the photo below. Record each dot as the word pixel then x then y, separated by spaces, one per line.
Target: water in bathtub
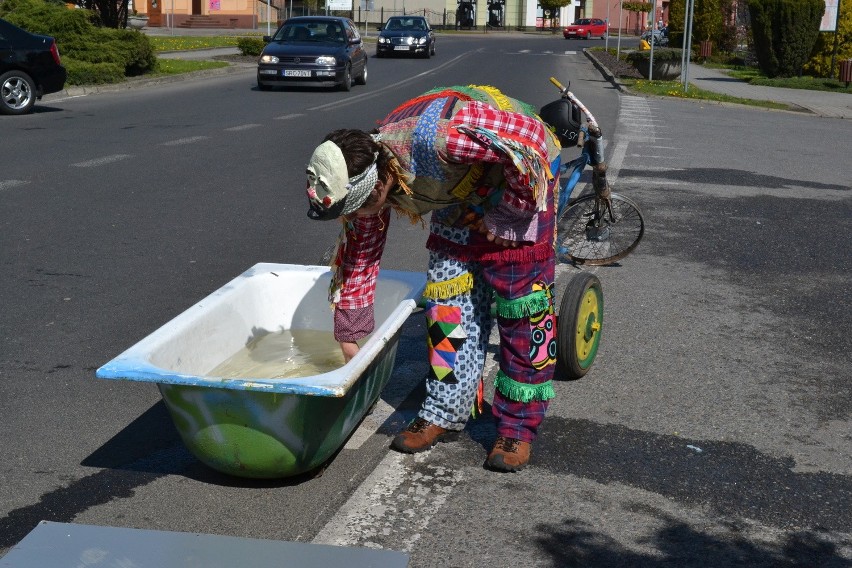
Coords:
pixel 284 354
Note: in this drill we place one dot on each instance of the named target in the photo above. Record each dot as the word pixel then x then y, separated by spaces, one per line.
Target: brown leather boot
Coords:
pixel 508 455
pixel 421 435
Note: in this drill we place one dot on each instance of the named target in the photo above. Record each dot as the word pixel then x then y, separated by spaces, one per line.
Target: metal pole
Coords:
pixel 651 61
pixel 836 35
pixel 620 13
pixel 606 41
pixel 268 17
pixel 687 43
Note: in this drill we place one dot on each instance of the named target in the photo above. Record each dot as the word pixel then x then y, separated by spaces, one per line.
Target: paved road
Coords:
pixel 712 431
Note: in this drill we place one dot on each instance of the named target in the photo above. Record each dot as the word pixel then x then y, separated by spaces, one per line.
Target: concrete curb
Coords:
pixel 608 75
pixel 134 83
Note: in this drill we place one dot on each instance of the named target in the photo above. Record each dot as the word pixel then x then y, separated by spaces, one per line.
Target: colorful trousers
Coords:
pixel 459 296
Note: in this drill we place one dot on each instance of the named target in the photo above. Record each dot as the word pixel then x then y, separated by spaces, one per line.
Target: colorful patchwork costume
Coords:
pixel 469 155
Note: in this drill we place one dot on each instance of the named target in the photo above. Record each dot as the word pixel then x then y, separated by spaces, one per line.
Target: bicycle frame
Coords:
pixel 591 150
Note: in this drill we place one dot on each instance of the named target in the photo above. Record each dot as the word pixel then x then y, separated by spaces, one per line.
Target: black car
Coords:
pixel 29 68
pixel 313 51
pixel 406 35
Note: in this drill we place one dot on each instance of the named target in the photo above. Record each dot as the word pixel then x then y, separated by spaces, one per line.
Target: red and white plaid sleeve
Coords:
pixel 359 269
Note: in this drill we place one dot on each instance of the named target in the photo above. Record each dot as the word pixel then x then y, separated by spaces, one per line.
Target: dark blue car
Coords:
pixel 406 35
pixel 320 51
pixel 29 68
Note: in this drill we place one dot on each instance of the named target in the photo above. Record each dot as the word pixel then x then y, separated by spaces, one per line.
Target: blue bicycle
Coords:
pixel 595 228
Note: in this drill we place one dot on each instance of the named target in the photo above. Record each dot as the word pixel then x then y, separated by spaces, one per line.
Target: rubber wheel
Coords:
pixel 261 87
pixel 579 326
pixel 362 78
pixel 17 93
pixel 616 237
pixel 346 85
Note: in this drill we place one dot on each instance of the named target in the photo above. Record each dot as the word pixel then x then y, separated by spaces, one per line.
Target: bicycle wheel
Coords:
pixel 612 240
pixel 578 326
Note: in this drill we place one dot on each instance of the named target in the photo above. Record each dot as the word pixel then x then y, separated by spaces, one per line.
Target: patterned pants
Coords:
pixel 459 297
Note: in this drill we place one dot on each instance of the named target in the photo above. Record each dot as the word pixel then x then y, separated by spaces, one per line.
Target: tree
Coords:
pixel 824 55
pixel 638 8
pixel 553 6
pixel 784 32
pixel 709 22
pixel 113 13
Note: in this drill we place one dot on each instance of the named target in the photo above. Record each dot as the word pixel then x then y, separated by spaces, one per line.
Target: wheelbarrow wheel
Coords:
pixel 579 326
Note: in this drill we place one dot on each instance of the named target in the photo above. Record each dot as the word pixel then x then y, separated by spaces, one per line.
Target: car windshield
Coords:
pixel 406 24
pixel 310 31
pixel 583 22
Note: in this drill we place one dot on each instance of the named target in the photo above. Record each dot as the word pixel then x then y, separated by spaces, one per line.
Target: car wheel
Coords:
pixel 362 78
pixel 17 93
pixel 603 35
pixel 346 85
pixel 433 49
pixel 262 87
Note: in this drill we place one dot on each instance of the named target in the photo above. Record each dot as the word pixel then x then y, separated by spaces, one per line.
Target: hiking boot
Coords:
pixel 508 455
pixel 421 435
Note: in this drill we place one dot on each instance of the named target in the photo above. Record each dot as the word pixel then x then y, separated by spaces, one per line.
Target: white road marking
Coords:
pixel 181 141
pixel 288 116
pixel 392 499
pixel 102 161
pixel 242 127
pixel 10 183
pixel 398 84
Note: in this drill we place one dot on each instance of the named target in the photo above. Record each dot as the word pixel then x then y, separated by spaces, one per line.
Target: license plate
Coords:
pixel 296 73
pixel 401 48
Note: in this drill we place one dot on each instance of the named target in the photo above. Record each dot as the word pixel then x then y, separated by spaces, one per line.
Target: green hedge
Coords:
pixel 253 45
pixel 784 33
pixel 90 53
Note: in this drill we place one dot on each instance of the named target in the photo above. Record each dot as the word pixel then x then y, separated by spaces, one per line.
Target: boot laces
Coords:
pixel 508 444
pixel 418 425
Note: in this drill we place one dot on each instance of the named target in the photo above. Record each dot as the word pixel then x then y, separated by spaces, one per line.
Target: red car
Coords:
pixel 586 28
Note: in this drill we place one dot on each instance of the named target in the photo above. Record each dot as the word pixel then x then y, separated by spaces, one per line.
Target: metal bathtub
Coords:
pixel 262 427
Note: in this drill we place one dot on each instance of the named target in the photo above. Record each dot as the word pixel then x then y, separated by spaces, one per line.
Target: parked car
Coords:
pixel 661 37
pixel 30 68
pixel 586 28
pixel 313 51
pixel 406 35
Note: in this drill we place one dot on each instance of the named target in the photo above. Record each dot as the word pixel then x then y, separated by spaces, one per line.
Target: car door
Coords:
pixel 357 53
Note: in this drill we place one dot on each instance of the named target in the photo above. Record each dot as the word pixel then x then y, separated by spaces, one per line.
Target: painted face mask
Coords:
pixel 330 192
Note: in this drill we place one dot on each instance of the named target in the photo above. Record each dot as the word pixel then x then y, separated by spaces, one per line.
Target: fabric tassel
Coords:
pixel 522 307
pixel 442 290
pixel 520 392
pixel 476 409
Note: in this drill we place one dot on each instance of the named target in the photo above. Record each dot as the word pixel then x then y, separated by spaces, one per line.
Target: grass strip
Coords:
pixel 675 89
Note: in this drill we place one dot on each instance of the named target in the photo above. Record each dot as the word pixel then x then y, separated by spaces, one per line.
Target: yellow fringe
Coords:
pixel 503 102
pixel 449 288
pixel 466 185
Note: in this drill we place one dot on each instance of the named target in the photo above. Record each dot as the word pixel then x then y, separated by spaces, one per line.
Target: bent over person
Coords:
pixel 483 164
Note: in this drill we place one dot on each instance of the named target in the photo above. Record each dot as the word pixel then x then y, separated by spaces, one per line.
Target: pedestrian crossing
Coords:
pixel 548 52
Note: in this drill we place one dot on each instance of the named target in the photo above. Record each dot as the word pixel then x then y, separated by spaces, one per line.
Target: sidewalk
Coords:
pixel 820 103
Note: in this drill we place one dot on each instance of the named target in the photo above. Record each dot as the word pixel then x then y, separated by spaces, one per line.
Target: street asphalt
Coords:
pixel 820 103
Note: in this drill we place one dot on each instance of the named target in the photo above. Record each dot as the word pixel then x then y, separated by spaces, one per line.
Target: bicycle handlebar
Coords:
pixel 590 119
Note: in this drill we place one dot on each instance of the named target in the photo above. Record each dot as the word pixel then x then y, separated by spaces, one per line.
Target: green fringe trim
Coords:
pixel 524 306
pixel 449 288
pixel 513 390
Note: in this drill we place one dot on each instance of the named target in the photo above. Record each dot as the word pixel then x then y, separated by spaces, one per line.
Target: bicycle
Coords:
pixel 594 229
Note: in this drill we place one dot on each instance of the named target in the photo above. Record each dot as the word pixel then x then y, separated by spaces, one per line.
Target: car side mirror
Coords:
pixel 267 39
